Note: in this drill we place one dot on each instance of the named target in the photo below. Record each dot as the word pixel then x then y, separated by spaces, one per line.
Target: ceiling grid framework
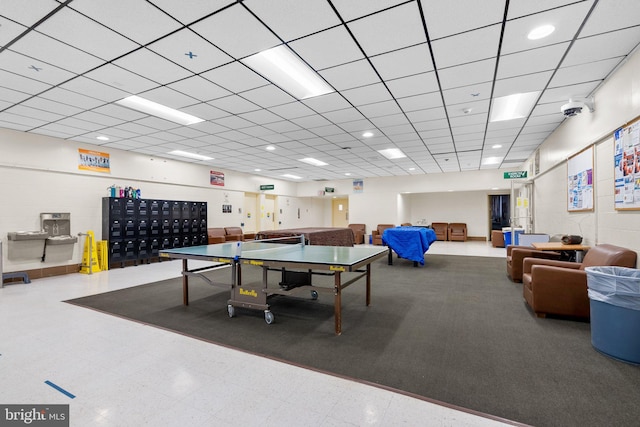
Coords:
pixel 420 75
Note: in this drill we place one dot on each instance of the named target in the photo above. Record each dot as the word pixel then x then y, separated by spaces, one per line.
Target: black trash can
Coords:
pixel 614 297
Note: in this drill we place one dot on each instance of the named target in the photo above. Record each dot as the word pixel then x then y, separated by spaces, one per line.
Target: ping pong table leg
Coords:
pixel 368 279
pixel 185 283
pixel 337 306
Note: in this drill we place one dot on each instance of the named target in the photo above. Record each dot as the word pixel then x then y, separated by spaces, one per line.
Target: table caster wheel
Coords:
pixel 314 295
pixel 268 317
pixel 231 310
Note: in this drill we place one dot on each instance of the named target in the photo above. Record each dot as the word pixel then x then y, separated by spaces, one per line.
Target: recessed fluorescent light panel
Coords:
pixel 285 69
pixel 392 153
pixel 288 175
pixel 158 110
pixel 491 160
pixel 102 138
pixel 190 155
pixel 314 162
pixel 514 106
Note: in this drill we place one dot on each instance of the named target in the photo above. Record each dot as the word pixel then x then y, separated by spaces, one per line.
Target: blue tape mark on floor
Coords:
pixel 60 389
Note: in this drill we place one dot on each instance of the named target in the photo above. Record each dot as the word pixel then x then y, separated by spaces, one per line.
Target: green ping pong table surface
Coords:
pixel 336 259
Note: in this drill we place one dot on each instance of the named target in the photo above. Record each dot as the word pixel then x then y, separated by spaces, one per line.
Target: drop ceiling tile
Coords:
pixel 351 75
pixel 378 109
pixel 294 19
pixel 34 113
pixel 233 122
pixel 205 111
pixel 210 128
pixel 609 15
pixel 236 32
pixel 190 51
pixel 403 62
pixel 100 119
pixel 609 45
pixel 566 19
pixel 471 107
pixel 367 94
pixel 16 121
pixel 80 124
pixel 60 131
pixel 137 20
pixel 28 16
pixel 33 69
pixel 584 73
pixel 467 74
pixel 372 32
pixel 268 96
pixel 445 18
pixel 235 77
pixel 196 9
pixel 467 47
pixel 353 9
pixel 545 58
pixel 121 79
pixel 391 120
pixel 311 122
pixel 199 88
pixel 23 84
pixel 234 104
pixel 94 89
pixel 115 111
pixel 521 84
pixel 152 66
pixel 521 8
pixel 12 96
pixel 72 98
pixel 468 119
pixel 324 103
pixel 420 102
pixel 52 106
pixel 563 93
pixel 157 123
pixel 343 116
pixel 463 95
pixel 407 86
pixel 327 48
pixel 427 114
pixel 292 110
pixel 72 28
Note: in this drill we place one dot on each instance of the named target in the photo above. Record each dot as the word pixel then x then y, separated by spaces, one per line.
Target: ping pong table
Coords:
pixel 334 260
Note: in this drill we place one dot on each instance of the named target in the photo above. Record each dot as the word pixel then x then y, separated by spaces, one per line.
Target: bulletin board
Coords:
pixel 626 146
pixel 580 181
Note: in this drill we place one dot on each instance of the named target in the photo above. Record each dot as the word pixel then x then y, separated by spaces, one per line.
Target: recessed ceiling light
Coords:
pixel 159 110
pixel 541 32
pixel 496 146
pixel 257 170
pixel 491 160
pixel 288 175
pixel 392 153
pixel 102 138
pixel 367 134
pixel 190 155
pixel 270 148
pixel 284 68
pixel 314 162
pixel 412 169
pixel 511 107
pixel 348 173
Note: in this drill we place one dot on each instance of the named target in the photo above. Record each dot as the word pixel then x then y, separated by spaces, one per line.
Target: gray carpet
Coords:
pixel 456 330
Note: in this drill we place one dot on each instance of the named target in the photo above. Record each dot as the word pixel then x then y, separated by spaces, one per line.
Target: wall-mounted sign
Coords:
pixel 93 161
pixel 216 178
pixel 329 189
pixel 267 187
pixel 515 175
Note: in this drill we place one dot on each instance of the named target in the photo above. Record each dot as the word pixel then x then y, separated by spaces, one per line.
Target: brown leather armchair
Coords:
pixel 377 233
pixel 458 231
pixel 216 235
pixel 497 238
pixel 517 254
pixel 441 229
pixel 233 234
pixel 560 287
pixel 359 231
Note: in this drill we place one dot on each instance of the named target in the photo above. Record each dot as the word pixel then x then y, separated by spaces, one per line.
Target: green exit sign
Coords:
pixel 515 175
pixel 267 187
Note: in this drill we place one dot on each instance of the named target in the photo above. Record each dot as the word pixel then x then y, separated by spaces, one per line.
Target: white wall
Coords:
pixel 616 103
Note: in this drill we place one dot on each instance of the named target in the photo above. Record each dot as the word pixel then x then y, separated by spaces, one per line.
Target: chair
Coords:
pixel 458 232
pixel 216 235
pixel 560 287
pixel 359 230
pixel 406 224
pixel 441 229
pixel 516 255
pixel 377 233
pixel 497 239
pixel 235 234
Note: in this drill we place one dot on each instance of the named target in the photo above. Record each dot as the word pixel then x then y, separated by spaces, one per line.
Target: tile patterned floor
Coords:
pixel 122 373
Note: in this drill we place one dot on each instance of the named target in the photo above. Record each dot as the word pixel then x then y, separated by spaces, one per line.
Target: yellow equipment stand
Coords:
pixel 103 254
pixel 90 256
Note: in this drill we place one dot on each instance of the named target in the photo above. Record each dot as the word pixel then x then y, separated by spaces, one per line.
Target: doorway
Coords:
pixel 340 212
pixel 500 211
